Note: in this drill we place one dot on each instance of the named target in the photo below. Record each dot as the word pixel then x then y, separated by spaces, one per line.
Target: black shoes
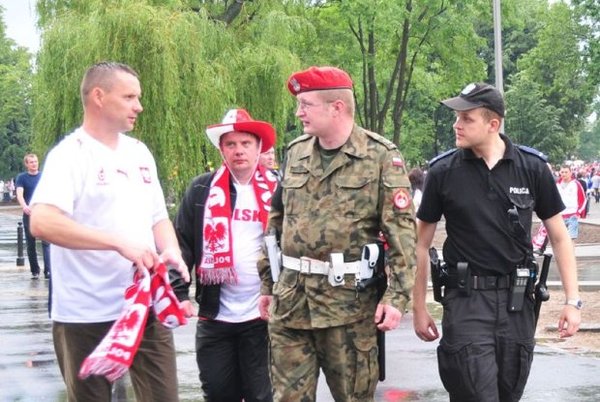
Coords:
pixel 35 276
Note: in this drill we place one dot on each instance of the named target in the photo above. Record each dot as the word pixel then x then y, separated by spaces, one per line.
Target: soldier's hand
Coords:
pixel 387 317
pixel 424 326
pixel 264 304
pixel 569 321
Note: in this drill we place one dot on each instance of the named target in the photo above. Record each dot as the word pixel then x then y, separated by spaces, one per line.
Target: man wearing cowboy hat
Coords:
pixel 342 186
pixel 220 226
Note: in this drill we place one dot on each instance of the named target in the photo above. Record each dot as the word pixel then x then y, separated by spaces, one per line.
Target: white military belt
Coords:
pixel 307 265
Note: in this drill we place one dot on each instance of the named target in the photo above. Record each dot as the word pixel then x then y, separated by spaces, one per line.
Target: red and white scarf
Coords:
pixel 216 264
pixel 114 355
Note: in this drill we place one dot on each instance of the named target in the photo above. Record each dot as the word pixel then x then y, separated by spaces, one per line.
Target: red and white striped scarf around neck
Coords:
pixel 114 355
pixel 216 264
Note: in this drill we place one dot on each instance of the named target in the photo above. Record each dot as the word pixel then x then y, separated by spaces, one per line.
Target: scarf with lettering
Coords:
pixel 114 355
pixel 216 264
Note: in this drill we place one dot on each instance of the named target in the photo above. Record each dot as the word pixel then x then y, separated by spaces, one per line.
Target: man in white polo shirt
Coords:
pixel 100 204
pixel 220 227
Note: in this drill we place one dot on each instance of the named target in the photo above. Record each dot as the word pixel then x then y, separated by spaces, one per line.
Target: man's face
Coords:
pixel 565 174
pixel 267 159
pixel 32 164
pixel 121 103
pixel 314 113
pixel 240 151
pixel 471 129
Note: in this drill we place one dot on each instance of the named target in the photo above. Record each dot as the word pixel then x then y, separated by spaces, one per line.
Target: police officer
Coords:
pixel 342 185
pixel 486 350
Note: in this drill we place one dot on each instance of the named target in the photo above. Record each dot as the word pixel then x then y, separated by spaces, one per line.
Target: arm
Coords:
pixel 264 267
pixel 397 221
pixel 50 224
pixel 22 202
pixel 423 323
pixel 168 247
pixel 563 249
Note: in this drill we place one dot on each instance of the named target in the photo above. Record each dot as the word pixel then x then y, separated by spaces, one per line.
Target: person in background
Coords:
pixel 487 190
pixel 573 196
pixel 416 178
pixel 267 159
pixel 596 186
pixel 220 226
pixel 583 182
pixel 26 184
pixel 342 186
pixel 100 204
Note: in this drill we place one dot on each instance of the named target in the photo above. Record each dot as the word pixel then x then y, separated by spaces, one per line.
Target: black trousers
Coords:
pixel 34 266
pixel 485 353
pixel 233 361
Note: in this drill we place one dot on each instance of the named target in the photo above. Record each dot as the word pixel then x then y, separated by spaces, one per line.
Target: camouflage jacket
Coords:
pixel 364 191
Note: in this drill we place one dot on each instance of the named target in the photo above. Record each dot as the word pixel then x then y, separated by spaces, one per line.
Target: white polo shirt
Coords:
pixel 115 191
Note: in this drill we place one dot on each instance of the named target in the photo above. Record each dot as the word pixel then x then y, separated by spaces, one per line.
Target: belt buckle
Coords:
pixel 491 282
pixel 305 264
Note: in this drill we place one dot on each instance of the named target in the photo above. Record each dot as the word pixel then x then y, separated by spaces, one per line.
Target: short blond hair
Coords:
pixel 100 75
pixel 345 95
pixel 27 156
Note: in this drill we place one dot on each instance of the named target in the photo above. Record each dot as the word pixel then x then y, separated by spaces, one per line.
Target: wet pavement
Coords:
pixel 29 372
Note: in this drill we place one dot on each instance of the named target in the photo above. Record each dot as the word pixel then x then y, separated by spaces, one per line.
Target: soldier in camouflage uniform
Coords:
pixel 342 187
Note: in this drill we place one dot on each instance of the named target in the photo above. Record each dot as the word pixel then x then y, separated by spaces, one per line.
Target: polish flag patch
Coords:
pixel 398 162
pixel 402 199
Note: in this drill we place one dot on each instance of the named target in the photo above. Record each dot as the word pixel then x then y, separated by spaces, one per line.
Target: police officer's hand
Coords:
pixel 264 304
pixel 424 326
pixel 387 317
pixel 569 321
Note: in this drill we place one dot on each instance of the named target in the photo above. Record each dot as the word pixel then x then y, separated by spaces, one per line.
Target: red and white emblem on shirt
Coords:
pixel 402 199
pixel 397 162
pixel 145 174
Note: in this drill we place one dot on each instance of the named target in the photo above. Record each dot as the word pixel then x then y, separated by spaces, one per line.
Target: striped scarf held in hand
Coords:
pixel 114 355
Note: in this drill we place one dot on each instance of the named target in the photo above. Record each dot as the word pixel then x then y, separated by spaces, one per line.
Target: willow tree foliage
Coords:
pixel 15 101
pixel 192 69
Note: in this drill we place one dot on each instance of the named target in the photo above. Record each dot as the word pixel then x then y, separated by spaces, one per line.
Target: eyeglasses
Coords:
pixel 303 105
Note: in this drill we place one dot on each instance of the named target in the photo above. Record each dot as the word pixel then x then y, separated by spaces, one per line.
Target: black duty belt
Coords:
pixel 481 282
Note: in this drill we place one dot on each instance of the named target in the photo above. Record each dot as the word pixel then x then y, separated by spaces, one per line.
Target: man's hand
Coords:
pixel 188 308
pixel 264 304
pixel 424 326
pixel 568 323
pixel 27 210
pixel 172 257
pixel 139 254
pixel 387 317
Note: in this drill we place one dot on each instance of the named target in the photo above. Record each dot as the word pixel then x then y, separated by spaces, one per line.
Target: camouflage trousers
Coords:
pixel 347 355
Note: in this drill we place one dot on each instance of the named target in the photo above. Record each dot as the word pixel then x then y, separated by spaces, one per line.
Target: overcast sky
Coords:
pixel 19 19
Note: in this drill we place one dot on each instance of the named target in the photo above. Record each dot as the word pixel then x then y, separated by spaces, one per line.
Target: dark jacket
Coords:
pixel 188 226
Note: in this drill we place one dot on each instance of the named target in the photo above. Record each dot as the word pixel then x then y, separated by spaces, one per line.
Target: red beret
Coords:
pixel 318 78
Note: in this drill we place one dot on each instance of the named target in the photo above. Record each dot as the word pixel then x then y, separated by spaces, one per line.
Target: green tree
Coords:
pixel 561 71
pixel 193 68
pixel 531 119
pixel 15 104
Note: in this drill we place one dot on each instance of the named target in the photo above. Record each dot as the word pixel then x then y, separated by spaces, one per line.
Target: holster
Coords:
pixel 436 275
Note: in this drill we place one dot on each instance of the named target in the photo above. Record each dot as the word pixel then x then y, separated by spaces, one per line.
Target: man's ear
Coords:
pixel 495 124
pixel 97 96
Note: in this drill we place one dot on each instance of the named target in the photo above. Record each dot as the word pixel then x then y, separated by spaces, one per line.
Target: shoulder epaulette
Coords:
pixel 442 156
pixel 533 151
pixel 381 139
pixel 302 138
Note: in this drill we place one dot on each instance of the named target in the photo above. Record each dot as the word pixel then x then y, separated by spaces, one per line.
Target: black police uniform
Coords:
pixel 485 352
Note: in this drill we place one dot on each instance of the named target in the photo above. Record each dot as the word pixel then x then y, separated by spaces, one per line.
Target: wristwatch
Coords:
pixel 577 303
